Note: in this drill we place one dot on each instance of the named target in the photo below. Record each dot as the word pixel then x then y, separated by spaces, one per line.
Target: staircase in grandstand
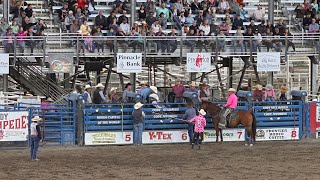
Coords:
pixel 32 78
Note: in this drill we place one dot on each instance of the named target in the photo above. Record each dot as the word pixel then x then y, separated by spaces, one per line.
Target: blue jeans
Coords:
pixel 34 147
pixel 137 133
pixel 190 131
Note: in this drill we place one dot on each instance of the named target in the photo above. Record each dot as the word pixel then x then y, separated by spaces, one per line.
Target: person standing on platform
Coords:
pixel 138 116
pixel 98 95
pixel 203 93
pixel 35 138
pixel 86 94
pixel 178 90
pixel 192 87
pixel 188 115
pixel 128 89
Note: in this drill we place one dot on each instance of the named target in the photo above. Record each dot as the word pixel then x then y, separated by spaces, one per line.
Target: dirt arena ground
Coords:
pixel 266 160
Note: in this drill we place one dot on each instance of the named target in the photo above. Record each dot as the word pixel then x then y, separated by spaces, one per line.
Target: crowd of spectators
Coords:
pixel 188 18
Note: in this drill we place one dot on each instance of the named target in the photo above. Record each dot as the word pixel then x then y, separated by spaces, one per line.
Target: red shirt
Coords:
pixel 81 3
pixel 178 90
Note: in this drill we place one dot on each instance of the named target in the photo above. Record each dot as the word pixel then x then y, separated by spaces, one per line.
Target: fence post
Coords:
pixel 78 121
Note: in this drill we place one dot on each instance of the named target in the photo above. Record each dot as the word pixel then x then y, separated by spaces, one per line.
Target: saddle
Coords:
pixel 232 115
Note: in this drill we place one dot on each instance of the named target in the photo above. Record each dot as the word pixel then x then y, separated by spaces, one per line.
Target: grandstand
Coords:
pixel 29 70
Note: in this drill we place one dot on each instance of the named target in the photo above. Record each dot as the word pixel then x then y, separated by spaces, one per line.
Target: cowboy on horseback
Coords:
pixel 230 106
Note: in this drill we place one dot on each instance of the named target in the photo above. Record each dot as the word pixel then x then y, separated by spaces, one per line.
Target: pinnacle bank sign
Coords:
pixel 129 62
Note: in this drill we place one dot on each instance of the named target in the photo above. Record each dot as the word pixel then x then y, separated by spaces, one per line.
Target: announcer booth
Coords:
pixel 279 120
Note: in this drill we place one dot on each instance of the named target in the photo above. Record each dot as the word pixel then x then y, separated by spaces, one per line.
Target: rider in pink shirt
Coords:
pixel 199 124
pixel 231 105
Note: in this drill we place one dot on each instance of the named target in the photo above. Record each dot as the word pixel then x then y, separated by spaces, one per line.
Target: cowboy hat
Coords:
pixel 36 118
pixel 284 88
pixel 113 89
pixel 193 83
pixel 49 100
pixel 87 87
pixel 143 22
pixel 143 83
pixel 100 85
pixel 259 87
pixel 269 87
pixel 154 96
pixel 231 90
pixel 202 112
pixel 138 105
pixel 154 89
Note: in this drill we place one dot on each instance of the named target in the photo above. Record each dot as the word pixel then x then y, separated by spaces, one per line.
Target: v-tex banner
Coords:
pixel 198 62
pixel 14 126
pixel 129 62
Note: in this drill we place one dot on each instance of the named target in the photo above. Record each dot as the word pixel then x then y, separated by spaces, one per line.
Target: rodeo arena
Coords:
pixel 159 89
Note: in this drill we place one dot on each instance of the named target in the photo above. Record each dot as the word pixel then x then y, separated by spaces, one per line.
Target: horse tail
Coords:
pixel 254 126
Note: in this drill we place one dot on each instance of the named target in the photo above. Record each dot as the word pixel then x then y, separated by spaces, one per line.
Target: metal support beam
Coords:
pixel 6 7
pixel 5 83
pixel 271 11
pixel 220 81
pixel 193 76
pixel 121 81
pixel 133 81
pixel 314 76
pixel 242 76
pixel 133 13
pixel 230 72
pixel 107 79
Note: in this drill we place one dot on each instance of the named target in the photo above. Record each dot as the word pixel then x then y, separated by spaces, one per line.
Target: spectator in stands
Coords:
pixel 135 26
pixel 150 19
pixel 16 9
pixel 31 42
pixel 221 41
pixel 178 90
pixel 114 25
pixel 164 10
pixel 205 28
pixel 4 25
pixel 313 27
pixel 202 42
pixel 188 115
pixel 289 36
pixel 86 13
pixel 138 41
pixel 189 20
pixel 214 29
pixel 163 21
pixel 123 17
pixel 252 25
pixel 138 116
pixel 144 26
pixel 110 19
pixel 100 20
pixel 81 4
pixel 98 40
pixel 149 6
pixel 258 93
pixel 209 16
pixel 194 26
pixel 74 28
pixel 128 89
pixel 281 26
pixel 234 6
pixel 259 14
pixel 262 29
pixel 20 40
pixel 247 35
pixel 223 6
pixel 63 12
pixel 15 27
pixel 142 13
pixel 125 27
pixel 28 11
pixel 315 5
pixel 269 93
pixel 204 93
pixel 172 43
pixel 35 137
pixel 270 26
pixel 267 40
pixel 228 21
pixel 256 41
pixel 199 18
pixel 33 18
pixel 237 22
pixel 196 7
pixel 85 28
pixel 300 11
pixel 307 21
pixel 238 40
pixel 26 24
pixel 190 41
pixel 179 5
pixel 161 44
pixel 242 13
pixel 151 41
pixel 98 95
pixel 122 41
pixel 224 28
pixel 86 94
pixel 69 20
pixel 156 26
pixel 277 42
pixel 175 12
pixel 21 18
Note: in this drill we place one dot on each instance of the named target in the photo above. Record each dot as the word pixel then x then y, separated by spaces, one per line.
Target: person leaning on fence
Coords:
pixel 230 106
pixel 269 94
pixel 283 93
pixel 203 93
pixel 138 116
pixel 128 89
pixel 258 93
pixel 199 124
pixel 86 94
pixel 178 90
pixel 188 115
pixel 98 96
pixel 35 137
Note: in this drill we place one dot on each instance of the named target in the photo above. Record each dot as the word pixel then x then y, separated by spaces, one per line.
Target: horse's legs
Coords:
pixel 250 135
pixel 217 134
pixel 221 135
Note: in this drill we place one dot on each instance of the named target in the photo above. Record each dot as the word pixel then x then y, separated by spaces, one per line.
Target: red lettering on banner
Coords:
pixel 18 121
pixel 5 124
pixel 159 135
pixel 11 123
pixel 24 123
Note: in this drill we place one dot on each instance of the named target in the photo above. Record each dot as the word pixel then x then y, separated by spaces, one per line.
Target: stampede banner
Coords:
pixel 14 126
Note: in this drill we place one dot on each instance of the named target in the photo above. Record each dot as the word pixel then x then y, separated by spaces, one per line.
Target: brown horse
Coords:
pixel 246 118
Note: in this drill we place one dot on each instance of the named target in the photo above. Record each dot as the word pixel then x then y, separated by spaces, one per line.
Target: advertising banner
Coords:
pixel 268 61
pixel 61 63
pixel 103 138
pixel 129 62
pixel 14 126
pixel 198 62
pixel 4 63
pixel 272 134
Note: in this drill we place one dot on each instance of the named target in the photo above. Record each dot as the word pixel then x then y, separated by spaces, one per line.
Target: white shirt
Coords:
pixel 125 28
pixel 205 28
pixel 258 37
pixel 155 27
